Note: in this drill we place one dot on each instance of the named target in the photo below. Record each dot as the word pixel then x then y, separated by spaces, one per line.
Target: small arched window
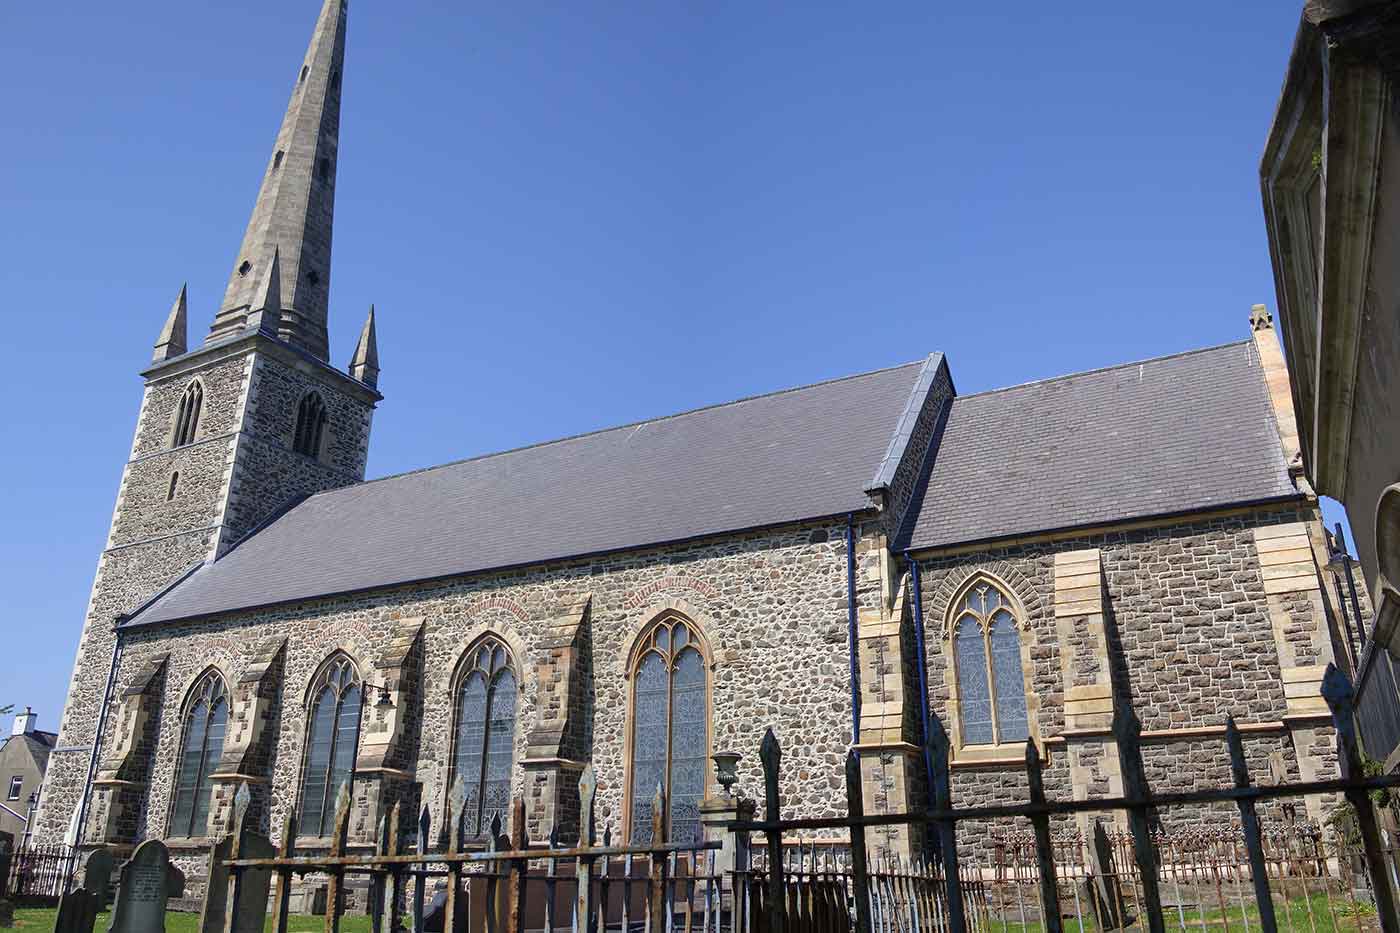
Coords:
pixel 187 417
pixel 206 720
pixel 311 425
pixel 332 737
pixel 987 655
pixel 670 722
pixel 484 740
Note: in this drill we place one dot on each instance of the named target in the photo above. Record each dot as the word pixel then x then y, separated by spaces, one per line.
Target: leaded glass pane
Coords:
pixel 973 695
pixel 471 747
pixel 688 724
pixel 648 741
pixel 213 748
pixel 1010 687
pixel 343 762
pixel 318 757
pixel 500 738
pixel 187 783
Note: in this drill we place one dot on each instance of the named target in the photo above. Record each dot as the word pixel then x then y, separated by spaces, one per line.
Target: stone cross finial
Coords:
pixel 1260 318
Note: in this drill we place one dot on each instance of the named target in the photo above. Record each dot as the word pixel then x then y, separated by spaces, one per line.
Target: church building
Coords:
pixel 843 562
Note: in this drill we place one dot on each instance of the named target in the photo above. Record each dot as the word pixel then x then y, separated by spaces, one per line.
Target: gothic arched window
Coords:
pixel 206 719
pixel 987 654
pixel 311 425
pixel 332 736
pixel 484 740
pixel 187 418
pixel 670 722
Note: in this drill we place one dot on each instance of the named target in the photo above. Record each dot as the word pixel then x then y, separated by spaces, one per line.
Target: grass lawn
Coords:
pixel 40 920
pixel 1291 915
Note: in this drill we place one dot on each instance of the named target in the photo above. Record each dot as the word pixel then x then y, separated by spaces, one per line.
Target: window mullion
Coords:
pixel 199 777
pixel 481 763
pixel 991 681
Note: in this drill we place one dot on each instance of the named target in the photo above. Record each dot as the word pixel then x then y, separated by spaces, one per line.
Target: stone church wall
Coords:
pixel 772 606
pixel 1191 638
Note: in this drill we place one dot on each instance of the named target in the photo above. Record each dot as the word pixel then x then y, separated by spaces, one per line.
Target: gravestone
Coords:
pixel 148 881
pixel 1105 891
pixel 78 908
pixel 250 913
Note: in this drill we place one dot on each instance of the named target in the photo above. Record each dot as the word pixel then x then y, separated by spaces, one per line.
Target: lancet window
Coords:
pixel 990 679
pixel 670 729
pixel 187 417
pixel 333 734
pixel 206 720
pixel 484 739
pixel 311 425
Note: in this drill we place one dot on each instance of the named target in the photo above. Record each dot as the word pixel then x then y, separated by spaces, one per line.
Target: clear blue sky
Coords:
pixel 572 215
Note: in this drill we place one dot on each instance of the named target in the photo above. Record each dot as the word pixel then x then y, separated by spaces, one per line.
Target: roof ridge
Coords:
pixel 1105 369
pixel 622 427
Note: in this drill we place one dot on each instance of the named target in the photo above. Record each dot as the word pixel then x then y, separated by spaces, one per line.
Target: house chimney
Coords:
pixel 24 722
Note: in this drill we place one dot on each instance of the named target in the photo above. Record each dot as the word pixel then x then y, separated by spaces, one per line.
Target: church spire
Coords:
pixel 172 341
pixel 364 365
pixel 296 203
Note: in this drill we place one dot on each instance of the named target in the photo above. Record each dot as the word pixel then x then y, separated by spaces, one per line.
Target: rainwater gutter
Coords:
pixel 919 642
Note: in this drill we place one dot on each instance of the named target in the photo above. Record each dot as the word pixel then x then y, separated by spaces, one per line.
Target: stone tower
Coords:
pixel 229 433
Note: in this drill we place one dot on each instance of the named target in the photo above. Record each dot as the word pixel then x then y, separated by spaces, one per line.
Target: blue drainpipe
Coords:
pixel 923 660
pixel 851 626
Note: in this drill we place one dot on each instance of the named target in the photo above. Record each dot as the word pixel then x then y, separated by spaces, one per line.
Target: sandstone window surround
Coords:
pixel 487 695
pixel 185 427
pixel 332 738
pixel 311 425
pixel 205 721
pixel 668 728
pixel 990 666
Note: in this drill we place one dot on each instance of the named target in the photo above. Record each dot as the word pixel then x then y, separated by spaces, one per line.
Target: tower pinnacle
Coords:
pixel 364 365
pixel 296 203
pixel 172 340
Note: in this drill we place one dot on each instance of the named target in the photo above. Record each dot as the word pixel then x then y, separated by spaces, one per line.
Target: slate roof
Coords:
pixel 1159 437
pixel 802 453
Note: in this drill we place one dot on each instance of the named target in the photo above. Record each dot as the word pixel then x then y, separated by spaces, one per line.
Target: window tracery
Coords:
pixel 484 737
pixel 332 737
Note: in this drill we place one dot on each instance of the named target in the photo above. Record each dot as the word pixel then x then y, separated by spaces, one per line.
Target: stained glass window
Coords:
pixel 332 739
pixel 670 721
pixel 991 684
pixel 206 719
pixel 485 739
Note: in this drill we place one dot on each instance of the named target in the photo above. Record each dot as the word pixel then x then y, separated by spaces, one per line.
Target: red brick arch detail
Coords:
pixel 642 596
pixel 498 602
pixel 1020 587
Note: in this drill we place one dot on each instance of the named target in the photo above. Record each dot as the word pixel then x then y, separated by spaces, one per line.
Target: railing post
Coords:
pixel 659 912
pixel 770 754
pixel 335 894
pixel 938 754
pixel 282 892
pixel 855 811
pixel 235 875
pixel 1253 840
pixel 1127 730
pixel 583 901
pixel 453 904
pixel 420 888
pixel 376 881
pixel 395 847
pixel 1044 849
pixel 1336 689
pixel 515 922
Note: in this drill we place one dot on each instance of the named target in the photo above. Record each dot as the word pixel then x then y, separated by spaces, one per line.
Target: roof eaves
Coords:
pixel 132 621
pixel 998 540
pixel 904 429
